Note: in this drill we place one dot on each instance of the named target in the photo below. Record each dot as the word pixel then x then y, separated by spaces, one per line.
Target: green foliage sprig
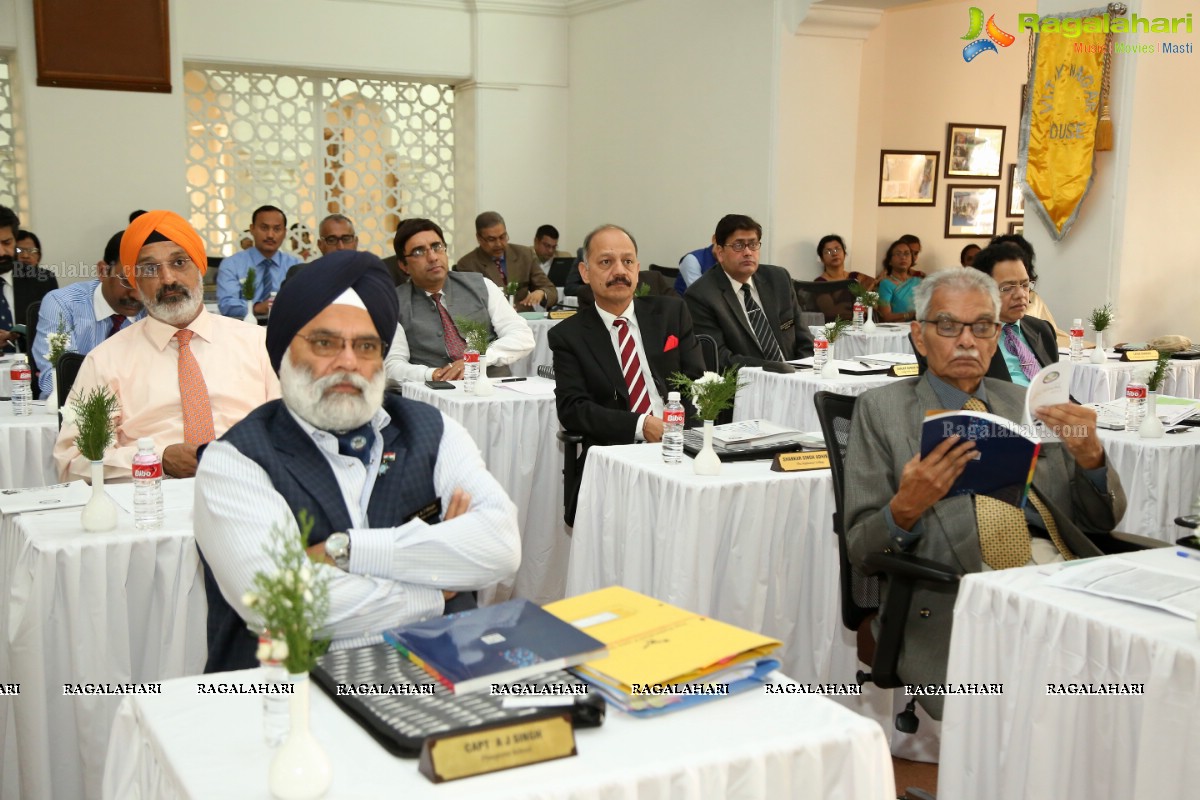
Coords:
pixel 475 334
pixel 293 601
pixel 868 299
pixel 1160 372
pixel 642 290
pixel 58 342
pixel 711 393
pixel 94 414
pixel 511 289
pixel 835 329
pixel 1102 317
pixel 248 287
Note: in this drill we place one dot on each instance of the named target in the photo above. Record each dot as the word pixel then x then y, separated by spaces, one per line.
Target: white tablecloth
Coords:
pixel 518 436
pixel 1099 383
pixel 884 339
pixel 118 607
pixel 26 445
pixel 788 399
pixel 541 354
pixel 1010 628
pixel 751 746
pixel 1160 476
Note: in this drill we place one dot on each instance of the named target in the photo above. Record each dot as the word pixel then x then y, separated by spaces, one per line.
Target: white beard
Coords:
pixel 179 312
pixel 338 412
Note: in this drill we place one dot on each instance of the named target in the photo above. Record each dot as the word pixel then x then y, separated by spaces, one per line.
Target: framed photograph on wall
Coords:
pixel 908 177
pixel 973 151
pixel 1016 198
pixel 1017 228
pixel 971 211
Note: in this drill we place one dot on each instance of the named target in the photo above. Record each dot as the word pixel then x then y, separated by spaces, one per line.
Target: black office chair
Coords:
pixel 68 369
pixel 833 299
pixel 671 273
pixel 572 461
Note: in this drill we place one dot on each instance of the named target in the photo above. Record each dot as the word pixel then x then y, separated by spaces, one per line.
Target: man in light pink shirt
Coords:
pixel 182 376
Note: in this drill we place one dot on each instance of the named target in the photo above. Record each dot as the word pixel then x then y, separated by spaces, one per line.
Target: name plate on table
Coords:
pixel 800 462
pixel 452 756
pixel 561 314
pixel 1140 355
pixel 904 370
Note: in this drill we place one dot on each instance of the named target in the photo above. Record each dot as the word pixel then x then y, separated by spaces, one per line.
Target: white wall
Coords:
pixel 671 114
pixel 8 23
pixel 94 156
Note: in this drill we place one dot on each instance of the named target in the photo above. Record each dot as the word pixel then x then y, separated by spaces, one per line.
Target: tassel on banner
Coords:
pixel 1104 126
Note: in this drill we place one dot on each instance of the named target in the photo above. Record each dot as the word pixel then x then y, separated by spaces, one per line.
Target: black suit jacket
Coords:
pixel 718 312
pixel 1038 333
pixel 29 285
pixel 590 389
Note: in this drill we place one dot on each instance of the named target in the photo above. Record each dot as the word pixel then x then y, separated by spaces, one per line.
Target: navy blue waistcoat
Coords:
pixel 271 438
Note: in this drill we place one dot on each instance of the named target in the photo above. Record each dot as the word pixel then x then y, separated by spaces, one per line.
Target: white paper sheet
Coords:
pixel 1123 580
pixel 1051 386
pixel 45 498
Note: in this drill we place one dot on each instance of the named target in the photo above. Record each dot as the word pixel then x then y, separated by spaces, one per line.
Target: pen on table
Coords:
pixel 1184 554
pixel 510 380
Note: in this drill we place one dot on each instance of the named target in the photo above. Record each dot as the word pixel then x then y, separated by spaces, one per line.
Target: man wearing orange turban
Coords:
pixel 182 375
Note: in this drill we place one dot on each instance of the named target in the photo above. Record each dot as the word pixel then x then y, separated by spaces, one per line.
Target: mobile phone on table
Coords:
pixel 439 384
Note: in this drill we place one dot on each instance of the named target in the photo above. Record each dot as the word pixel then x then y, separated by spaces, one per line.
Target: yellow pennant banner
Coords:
pixel 1059 125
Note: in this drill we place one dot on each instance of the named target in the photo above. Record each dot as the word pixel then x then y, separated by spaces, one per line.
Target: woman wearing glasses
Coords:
pixel 896 288
pixel 833 251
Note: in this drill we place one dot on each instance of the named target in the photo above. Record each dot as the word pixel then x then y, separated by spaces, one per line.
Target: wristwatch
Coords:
pixel 337 547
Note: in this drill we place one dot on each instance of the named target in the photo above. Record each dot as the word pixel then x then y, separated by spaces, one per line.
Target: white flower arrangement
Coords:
pixel 58 342
pixel 712 392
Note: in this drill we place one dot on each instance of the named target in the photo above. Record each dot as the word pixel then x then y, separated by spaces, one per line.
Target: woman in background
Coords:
pixel 897 286
pixel 833 251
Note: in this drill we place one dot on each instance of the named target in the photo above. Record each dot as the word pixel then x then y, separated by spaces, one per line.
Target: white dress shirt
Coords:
pixel 395 575
pixel 737 290
pixel 630 317
pixel 514 341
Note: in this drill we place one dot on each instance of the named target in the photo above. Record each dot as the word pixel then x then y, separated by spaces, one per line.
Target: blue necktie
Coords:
pixel 268 280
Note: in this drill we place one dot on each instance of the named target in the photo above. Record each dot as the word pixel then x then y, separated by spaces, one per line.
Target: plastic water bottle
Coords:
pixel 22 395
pixel 276 714
pixel 147 487
pixel 470 369
pixel 860 314
pixel 1135 405
pixel 673 419
pixel 1077 340
pixel 820 352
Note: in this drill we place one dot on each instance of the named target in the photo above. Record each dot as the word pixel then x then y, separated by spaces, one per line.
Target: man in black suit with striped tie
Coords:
pixel 750 309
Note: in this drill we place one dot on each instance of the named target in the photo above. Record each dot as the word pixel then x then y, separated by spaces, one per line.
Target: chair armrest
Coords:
pixel 903 566
pixel 567 437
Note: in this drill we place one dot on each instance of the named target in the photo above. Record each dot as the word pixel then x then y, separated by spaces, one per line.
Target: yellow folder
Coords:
pixel 652 642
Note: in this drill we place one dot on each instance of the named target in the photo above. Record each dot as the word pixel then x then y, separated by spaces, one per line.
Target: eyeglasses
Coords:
pixel 325 345
pixel 1024 286
pixel 833 251
pixel 28 251
pixel 334 241
pixel 153 270
pixel 421 252
pixel 741 245
pixel 952 328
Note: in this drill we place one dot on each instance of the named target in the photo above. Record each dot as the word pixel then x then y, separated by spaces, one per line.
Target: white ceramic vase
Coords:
pixel 830 369
pixel 868 325
pixel 253 320
pixel 706 461
pixel 1151 427
pixel 100 512
pixel 300 769
pixel 483 384
pixel 1098 356
pixel 52 398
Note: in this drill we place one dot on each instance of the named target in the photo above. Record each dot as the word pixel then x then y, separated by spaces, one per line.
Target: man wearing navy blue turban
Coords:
pixel 406 519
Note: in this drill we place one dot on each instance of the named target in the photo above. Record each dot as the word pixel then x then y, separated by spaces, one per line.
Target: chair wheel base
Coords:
pixel 862 677
pixel 906 720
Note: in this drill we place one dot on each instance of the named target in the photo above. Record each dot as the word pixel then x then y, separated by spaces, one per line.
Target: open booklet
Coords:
pixel 756 431
pixel 1005 455
pixel 1051 386
pixel 1125 580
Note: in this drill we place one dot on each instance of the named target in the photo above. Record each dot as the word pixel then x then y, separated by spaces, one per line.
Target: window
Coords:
pixel 9 194
pixel 373 149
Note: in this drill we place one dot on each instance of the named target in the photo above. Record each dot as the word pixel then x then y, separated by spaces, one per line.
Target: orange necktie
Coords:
pixel 193 394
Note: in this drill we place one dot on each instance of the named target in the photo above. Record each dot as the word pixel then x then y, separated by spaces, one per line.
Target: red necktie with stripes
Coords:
pixel 117 321
pixel 455 345
pixel 631 367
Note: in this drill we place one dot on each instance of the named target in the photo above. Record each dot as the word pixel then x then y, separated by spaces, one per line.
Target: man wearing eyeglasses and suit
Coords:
pixel 181 375
pixel 428 344
pixel 750 309
pixel 897 501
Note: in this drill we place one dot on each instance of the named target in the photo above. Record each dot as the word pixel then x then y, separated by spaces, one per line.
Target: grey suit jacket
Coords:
pixel 884 435
pixel 522 266
pixel 717 311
